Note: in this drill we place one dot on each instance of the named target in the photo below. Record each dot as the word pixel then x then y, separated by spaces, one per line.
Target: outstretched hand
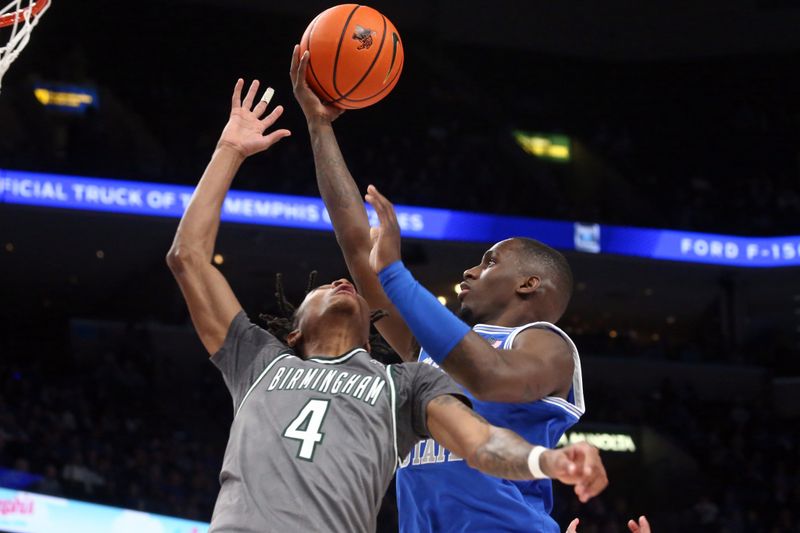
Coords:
pixel 577 464
pixel 312 106
pixel 245 129
pixel 386 236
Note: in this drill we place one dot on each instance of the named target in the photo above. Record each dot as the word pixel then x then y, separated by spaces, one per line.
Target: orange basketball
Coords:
pixel 356 56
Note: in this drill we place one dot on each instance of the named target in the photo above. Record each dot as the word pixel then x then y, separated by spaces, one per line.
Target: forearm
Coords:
pixel 338 189
pixel 505 455
pixel 197 231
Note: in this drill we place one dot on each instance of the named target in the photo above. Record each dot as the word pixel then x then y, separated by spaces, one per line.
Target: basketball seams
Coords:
pixel 386 87
pixel 310 65
pixel 332 37
pixel 339 49
pixel 371 66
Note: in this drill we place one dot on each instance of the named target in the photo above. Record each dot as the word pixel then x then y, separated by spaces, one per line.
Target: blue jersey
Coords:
pixel 438 492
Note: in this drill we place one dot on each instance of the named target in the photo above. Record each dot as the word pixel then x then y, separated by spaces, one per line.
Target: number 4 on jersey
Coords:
pixel 306 427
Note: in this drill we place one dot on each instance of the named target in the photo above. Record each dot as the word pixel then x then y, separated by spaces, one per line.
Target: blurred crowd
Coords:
pixel 107 430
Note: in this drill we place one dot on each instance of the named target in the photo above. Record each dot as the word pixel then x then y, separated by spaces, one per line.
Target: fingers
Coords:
pixel 270 119
pixel 573 526
pixel 250 96
pixel 384 208
pixel 644 525
pixel 236 99
pixel 303 67
pixel 595 484
pixel 633 526
pixel 293 66
pixel 272 138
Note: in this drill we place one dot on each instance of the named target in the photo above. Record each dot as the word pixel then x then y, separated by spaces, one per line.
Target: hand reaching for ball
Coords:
pixel 312 106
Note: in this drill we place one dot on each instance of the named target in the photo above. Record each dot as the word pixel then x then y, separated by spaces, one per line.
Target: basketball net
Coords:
pixel 19 17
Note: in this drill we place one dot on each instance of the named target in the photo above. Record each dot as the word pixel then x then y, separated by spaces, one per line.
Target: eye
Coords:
pixel 491 262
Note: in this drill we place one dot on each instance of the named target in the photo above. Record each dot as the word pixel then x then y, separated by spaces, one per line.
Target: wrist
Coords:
pixel 537 462
pixel 230 149
pixel 317 122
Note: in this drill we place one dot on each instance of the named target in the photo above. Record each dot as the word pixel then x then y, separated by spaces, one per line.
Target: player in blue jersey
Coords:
pixel 520 370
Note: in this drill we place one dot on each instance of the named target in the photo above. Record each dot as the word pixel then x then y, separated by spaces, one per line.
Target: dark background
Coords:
pixel 682 115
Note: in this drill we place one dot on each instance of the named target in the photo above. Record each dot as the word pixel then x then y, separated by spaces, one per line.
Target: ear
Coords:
pixel 294 338
pixel 529 285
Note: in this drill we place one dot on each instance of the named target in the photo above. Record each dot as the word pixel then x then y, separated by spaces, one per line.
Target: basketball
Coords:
pixel 356 56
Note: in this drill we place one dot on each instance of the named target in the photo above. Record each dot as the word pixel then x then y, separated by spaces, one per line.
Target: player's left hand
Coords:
pixel 386 236
pixel 245 129
pixel 578 464
pixel 573 526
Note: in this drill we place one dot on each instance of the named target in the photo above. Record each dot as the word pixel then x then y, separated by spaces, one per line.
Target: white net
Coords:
pixel 17 20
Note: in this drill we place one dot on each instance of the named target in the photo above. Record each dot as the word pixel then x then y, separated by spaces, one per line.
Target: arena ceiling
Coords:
pixel 609 30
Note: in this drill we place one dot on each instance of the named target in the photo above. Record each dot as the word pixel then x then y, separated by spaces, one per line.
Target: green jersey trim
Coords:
pixel 258 379
pixel 393 403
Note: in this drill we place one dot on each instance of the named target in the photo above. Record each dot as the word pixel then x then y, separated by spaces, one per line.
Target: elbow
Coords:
pixel 478 386
pixel 179 259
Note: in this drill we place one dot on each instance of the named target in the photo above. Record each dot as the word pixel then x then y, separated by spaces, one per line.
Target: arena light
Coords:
pixel 69 98
pixel 607 442
pixel 550 146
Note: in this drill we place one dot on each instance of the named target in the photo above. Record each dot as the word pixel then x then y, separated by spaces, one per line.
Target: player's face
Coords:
pixel 490 286
pixel 336 299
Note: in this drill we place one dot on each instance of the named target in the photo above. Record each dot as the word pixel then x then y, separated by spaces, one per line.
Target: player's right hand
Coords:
pixel 244 132
pixel 312 106
pixel 578 464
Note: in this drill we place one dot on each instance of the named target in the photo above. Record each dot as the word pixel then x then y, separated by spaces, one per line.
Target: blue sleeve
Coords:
pixel 434 326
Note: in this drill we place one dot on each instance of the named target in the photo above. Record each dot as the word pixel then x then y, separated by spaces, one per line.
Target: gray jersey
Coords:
pixel 314 443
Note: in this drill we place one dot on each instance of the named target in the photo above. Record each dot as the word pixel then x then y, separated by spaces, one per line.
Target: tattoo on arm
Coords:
pixel 504 455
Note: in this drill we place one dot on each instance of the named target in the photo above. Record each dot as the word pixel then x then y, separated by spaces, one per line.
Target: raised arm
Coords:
pixel 345 207
pixel 540 363
pixel 502 453
pixel 210 299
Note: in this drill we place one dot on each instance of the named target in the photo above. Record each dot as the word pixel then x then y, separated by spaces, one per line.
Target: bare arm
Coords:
pixel 346 208
pixel 539 364
pixel 502 453
pixel 210 299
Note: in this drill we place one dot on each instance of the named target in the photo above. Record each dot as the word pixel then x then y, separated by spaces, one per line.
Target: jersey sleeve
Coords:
pixel 418 384
pixel 246 352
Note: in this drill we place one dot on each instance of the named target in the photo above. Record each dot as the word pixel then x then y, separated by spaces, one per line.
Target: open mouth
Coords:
pixel 349 289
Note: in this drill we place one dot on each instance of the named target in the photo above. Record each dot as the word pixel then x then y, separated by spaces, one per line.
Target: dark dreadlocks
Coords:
pixel 281 325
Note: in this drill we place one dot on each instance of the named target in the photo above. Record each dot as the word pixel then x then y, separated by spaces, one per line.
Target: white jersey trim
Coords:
pixel 393 403
pixel 338 360
pixel 579 407
pixel 259 378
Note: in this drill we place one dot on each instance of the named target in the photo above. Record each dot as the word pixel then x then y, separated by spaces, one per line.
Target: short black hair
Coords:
pixel 554 264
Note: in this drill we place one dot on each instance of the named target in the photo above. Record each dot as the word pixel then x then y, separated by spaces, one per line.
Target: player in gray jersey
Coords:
pixel 319 426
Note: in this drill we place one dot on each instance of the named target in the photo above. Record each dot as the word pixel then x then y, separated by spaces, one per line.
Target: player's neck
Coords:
pixel 331 342
pixel 511 317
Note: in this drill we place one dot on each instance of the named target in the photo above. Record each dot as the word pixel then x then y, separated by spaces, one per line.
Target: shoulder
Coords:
pixel 541 335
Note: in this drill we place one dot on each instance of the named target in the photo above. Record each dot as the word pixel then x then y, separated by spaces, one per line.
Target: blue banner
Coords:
pixel 156 199
pixel 28 512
